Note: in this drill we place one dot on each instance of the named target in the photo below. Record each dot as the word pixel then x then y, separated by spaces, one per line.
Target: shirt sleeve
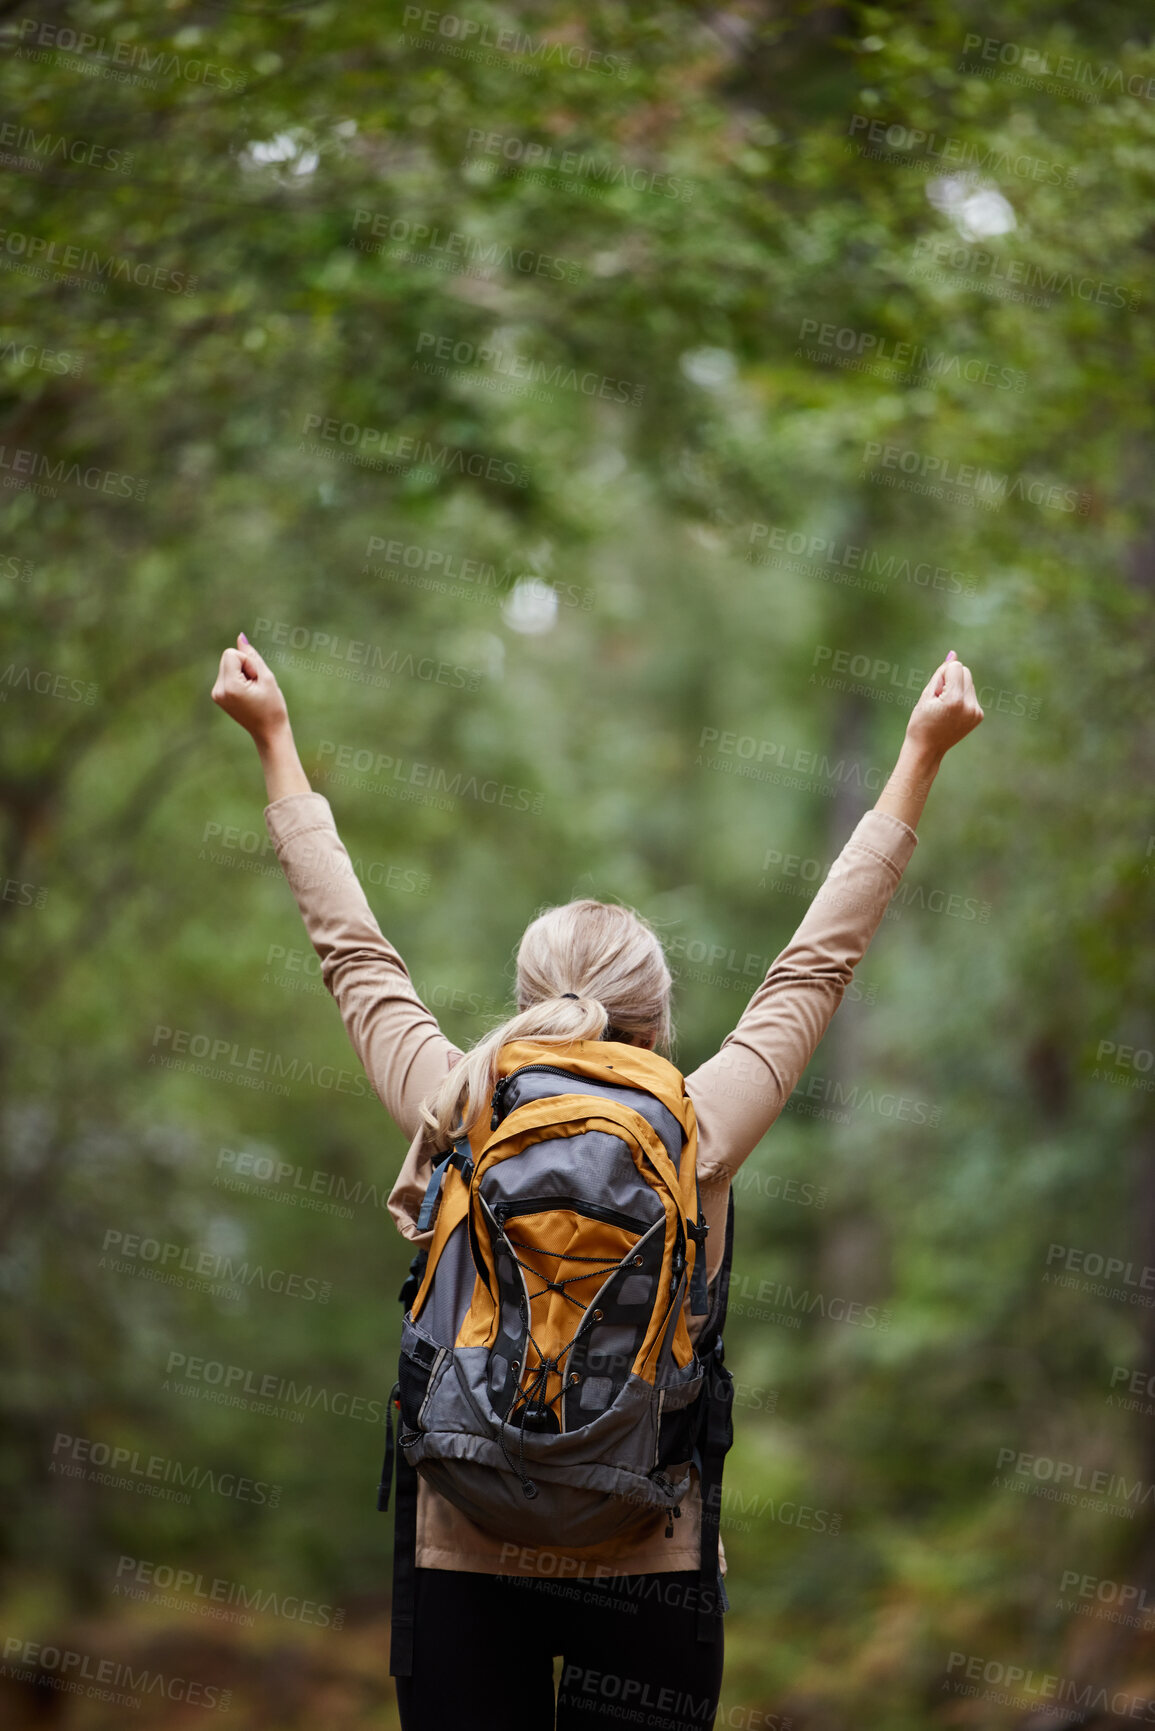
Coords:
pixel 739 1092
pixel 396 1037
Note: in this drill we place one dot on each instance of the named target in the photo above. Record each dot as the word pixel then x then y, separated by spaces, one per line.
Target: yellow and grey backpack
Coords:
pixel 548 1385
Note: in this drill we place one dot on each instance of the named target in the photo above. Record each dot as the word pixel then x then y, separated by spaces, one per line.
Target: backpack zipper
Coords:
pixel 544 1070
pixel 541 1204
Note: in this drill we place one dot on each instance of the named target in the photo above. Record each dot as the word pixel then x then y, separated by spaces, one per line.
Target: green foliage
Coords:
pixel 662 277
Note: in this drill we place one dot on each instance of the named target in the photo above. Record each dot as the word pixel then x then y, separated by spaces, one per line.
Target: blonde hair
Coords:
pixel 608 957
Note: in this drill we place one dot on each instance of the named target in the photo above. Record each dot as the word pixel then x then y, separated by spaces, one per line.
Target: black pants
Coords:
pixel 483 1650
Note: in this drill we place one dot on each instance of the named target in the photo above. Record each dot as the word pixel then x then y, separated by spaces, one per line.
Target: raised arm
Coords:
pixel 396 1037
pixel 741 1090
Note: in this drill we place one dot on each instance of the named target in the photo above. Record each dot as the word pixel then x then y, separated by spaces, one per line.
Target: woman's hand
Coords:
pixel 247 689
pixel 947 709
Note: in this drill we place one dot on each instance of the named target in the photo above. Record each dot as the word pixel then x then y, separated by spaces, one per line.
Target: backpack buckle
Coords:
pixel 461 1156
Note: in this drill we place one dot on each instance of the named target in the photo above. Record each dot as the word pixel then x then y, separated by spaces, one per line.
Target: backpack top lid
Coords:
pixel 612 1061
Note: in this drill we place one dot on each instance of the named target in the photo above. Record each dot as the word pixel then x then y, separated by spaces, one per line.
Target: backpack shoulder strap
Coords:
pixel 715 1435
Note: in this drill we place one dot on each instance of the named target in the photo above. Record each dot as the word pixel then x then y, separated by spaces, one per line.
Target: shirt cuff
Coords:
pixel 887 836
pixel 296 812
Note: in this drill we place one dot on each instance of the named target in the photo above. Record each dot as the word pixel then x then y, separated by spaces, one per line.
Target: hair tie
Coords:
pixel 569 994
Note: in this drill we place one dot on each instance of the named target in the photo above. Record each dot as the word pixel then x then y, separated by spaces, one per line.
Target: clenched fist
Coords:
pixel 246 688
pixel 947 708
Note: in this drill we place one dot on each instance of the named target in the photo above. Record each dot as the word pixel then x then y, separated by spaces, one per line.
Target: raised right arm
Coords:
pixel 397 1038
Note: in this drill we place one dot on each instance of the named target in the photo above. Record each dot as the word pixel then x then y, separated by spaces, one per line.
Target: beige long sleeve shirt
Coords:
pixel 737 1095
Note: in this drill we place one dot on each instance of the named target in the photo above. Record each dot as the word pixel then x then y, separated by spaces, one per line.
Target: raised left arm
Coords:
pixel 739 1092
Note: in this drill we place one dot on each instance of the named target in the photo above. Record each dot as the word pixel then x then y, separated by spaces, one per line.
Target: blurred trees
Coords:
pixel 627 412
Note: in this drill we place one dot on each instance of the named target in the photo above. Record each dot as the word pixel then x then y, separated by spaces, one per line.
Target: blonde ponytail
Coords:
pixel 582 969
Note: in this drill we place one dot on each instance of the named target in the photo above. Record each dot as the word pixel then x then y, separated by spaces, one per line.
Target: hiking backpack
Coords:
pixel 548 1386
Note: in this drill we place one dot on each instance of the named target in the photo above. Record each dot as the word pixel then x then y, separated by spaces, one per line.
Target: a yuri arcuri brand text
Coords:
pixel 468 362
pixel 119 57
pixel 241 1385
pixel 354 657
pixel 117 1682
pixel 226 1059
pixel 257 1172
pixel 152 1474
pixel 101 267
pixel 848 562
pixel 120 1249
pixel 32 471
pixel 473 39
pixel 943 478
pixel 906 362
pixel 402 778
pixel 179 1588
pixel 370 447
pixel 415 241
pixel 892 141
pixel 1067 75
pixel 530 157
pixel 1068 1699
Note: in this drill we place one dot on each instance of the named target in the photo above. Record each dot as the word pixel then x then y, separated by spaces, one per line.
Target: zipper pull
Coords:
pixel 675 1514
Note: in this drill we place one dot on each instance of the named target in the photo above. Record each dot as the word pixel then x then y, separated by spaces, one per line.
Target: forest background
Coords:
pixel 604 418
